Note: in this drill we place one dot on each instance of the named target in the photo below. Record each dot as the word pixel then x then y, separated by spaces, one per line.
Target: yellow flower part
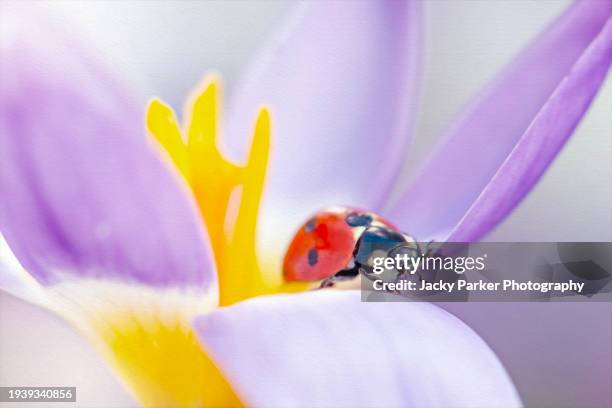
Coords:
pixel 164 366
pixel 146 336
pixel 228 194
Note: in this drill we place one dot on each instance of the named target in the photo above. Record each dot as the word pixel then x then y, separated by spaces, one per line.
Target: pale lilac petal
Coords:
pixel 535 103
pixel 541 142
pixel 327 349
pixel 340 81
pixel 558 353
pixel 83 193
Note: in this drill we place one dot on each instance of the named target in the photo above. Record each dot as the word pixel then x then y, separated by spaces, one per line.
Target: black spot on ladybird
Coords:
pixel 358 220
pixel 313 257
pixel 310 225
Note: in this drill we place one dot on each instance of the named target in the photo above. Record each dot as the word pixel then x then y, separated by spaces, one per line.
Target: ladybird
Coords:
pixel 338 243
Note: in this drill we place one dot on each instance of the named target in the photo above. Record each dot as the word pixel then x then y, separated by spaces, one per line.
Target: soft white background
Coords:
pixel 164 49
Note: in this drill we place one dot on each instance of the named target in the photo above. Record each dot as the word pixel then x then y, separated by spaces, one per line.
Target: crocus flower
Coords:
pixel 138 245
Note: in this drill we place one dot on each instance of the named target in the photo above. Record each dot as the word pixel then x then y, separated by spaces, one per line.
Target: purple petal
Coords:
pixel 339 80
pixel 558 353
pixel 326 348
pixel 509 135
pixel 541 142
pixel 83 193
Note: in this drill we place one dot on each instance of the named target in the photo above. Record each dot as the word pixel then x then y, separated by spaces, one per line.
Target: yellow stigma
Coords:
pixel 227 194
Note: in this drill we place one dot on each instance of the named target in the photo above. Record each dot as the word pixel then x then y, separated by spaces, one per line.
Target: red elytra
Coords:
pixel 324 244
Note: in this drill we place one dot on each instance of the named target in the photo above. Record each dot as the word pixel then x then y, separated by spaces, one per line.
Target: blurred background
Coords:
pixel 557 354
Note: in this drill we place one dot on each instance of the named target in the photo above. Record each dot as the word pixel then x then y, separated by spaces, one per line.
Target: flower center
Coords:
pixel 155 349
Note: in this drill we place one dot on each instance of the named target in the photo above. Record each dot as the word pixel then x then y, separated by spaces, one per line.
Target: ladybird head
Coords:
pixel 325 244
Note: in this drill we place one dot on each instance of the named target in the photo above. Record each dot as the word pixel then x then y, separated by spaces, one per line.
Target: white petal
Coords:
pixel 328 349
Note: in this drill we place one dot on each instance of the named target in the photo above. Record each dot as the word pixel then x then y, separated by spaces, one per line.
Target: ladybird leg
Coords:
pixel 347 274
pixel 341 276
pixel 327 283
